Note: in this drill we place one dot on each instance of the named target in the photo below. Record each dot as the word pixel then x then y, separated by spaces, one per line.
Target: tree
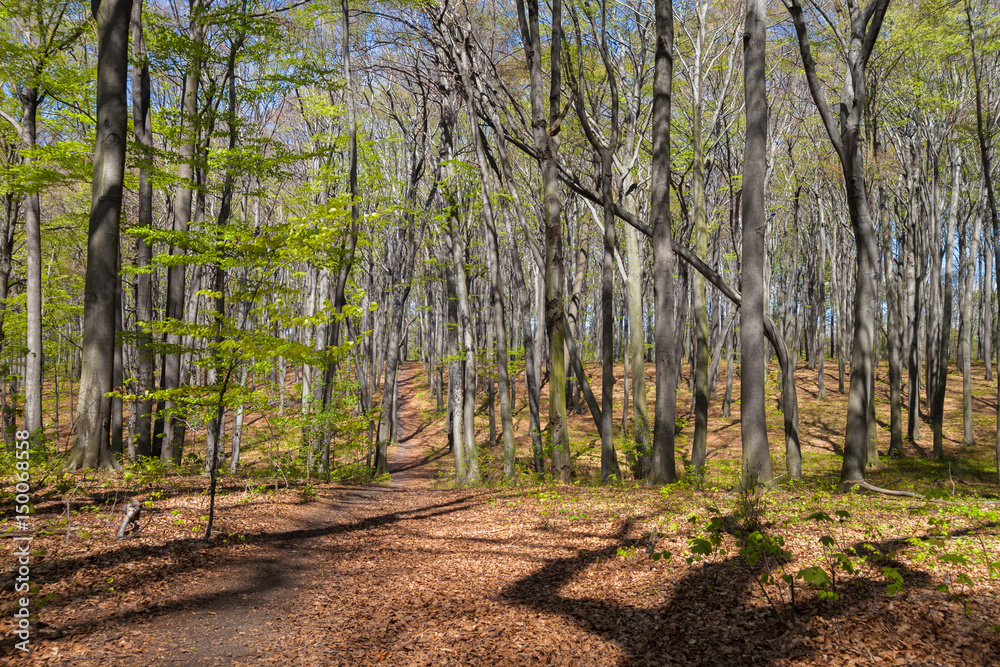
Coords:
pixel 172 429
pixel 92 448
pixel 142 123
pixel 864 25
pixel 753 423
pixel 47 30
pixel 546 145
pixel 664 415
pixel 605 151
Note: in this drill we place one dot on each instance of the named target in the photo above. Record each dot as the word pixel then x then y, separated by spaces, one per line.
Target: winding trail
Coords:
pixel 414 462
pixel 408 574
pixel 241 610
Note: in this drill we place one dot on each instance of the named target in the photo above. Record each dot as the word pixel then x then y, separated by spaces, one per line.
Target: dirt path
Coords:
pixel 421 453
pixel 411 575
pixel 238 610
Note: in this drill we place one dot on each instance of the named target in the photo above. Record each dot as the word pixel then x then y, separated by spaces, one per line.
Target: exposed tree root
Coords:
pixel 848 485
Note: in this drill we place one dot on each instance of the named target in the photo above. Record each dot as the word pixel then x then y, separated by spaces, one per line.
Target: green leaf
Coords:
pixel 701 546
pixel 815 576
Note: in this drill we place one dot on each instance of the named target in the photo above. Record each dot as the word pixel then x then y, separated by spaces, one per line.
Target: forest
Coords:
pixel 490 332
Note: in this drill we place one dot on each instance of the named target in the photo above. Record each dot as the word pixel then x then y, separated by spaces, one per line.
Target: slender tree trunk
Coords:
pixel 118 379
pixel 10 215
pixel 143 133
pixel 968 259
pixel 171 369
pixel 546 147
pixel 499 301
pixel 985 161
pixel 820 350
pixel 455 391
pixel 237 439
pixel 894 296
pixel 700 442
pixel 640 410
pixel 845 136
pixel 663 469
pixel 727 399
pixel 753 422
pixel 33 244
pixel 944 328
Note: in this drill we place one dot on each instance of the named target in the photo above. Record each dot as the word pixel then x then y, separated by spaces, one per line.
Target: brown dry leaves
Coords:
pixel 539 576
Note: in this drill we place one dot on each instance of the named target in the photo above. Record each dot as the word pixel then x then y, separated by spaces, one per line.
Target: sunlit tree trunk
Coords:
pixel 546 147
pixel 143 133
pixel 663 469
pixel 753 422
pixel 171 369
pixel 102 283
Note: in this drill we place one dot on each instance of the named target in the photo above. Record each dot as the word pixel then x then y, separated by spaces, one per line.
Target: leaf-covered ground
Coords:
pixel 413 573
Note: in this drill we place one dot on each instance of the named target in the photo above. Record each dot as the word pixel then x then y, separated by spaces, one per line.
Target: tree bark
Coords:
pixel 546 148
pixel 171 369
pixel 663 469
pixel 865 26
pixel 102 282
pixel 33 244
pixel 944 327
pixel 968 259
pixel 143 133
pixel 753 422
pixel 985 160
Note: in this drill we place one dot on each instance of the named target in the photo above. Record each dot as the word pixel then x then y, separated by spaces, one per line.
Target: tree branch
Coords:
pixel 809 65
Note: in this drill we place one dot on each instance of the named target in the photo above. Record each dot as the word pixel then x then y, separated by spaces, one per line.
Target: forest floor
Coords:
pixel 413 572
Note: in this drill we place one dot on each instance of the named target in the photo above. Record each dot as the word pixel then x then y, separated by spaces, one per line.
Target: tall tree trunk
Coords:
pixel 968 259
pixel 663 469
pixel 532 365
pixel 640 411
pixel 865 27
pixel 456 393
pixel 546 148
pixel 171 369
pixel 143 133
pixel 894 296
pixel 700 442
pixel 944 327
pixel 985 160
pixel 10 214
pixel 820 351
pixel 102 282
pixel 117 379
pixel 499 300
pixel 753 422
pixel 33 243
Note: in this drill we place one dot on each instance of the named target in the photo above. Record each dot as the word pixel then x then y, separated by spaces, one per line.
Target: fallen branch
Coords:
pixel 130 524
